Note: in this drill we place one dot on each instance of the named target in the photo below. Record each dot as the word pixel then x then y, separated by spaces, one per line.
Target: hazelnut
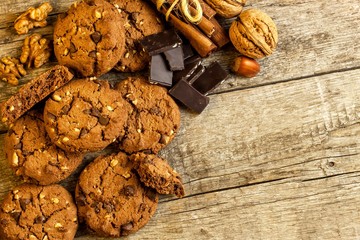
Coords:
pixel 254 34
pixel 227 8
pixel 246 67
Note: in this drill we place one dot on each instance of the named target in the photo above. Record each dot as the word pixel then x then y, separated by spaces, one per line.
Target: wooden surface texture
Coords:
pixel 272 157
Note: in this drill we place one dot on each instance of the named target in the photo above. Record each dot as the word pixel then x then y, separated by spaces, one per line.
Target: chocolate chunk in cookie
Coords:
pixel 111 199
pixel 155 118
pixel 156 173
pixel 85 115
pixel 139 20
pixel 33 92
pixel 89 38
pixel 38 212
pixel 33 156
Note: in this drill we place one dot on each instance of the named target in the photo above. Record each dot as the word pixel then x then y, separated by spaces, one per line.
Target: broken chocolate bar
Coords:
pixel 210 79
pixel 196 74
pixel 191 65
pixel 189 96
pixel 161 42
pixel 175 58
pixel 159 72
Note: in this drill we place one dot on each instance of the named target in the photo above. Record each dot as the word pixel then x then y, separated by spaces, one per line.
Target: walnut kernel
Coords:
pixel 33 17
pixel 36 51
pixel 11 70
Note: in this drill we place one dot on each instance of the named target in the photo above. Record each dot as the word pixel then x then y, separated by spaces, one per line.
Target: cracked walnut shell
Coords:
pixel 254 34
pixel 227 8
pixel 33 17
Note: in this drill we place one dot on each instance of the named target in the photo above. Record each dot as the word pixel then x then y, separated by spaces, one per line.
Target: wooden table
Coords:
pixel 273 157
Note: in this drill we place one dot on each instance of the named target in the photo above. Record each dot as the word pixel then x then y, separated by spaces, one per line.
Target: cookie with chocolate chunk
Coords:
pixel 111 199
pixel 155 172
pixel 33 156
pixel 89 38
pixel 155 118
pixel 140 19
pixel 38 212
pixel 34 92
pixel 85 115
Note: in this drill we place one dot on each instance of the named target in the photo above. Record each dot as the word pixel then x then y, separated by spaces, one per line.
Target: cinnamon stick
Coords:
pixel 205 25
pixel 220 36
pixel 203 45
pixel 208 12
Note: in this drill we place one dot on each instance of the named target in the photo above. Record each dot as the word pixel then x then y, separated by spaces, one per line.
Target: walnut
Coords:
pixel 36 51
pixel 11 70
pixel 254 34
pixel 227 8
pixel 33 17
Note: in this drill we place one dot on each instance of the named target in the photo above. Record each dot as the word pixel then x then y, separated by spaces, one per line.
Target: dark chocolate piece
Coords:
pixel 210 79
pixel 161 42
pixel 191 65
pixel 188 52
pixel 159 72
pixel 189 96
pixel 196 74
pixel 175 58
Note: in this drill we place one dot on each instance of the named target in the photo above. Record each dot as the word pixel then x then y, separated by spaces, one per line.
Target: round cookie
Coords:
pixel 89 38
pixel 111 199
pixel 139 20
pixel 85 115
pixel 155 119
pixel 33 156
pixel 38 212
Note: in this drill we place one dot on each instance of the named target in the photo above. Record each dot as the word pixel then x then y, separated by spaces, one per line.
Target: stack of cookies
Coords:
pixel 55 120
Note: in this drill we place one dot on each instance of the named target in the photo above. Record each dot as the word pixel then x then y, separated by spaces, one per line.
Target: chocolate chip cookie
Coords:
pixel 89 37
pixel 33 156
pixel 33 92
pixel 111 199
pixel 155 118
pixel 38 212
pixel 155 172
pixel 85 115
pixel 139 20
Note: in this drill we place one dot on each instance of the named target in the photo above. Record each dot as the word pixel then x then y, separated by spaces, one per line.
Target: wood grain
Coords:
pixel 272 157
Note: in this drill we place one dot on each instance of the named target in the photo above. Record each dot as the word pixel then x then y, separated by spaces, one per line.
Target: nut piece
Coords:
pixel 254 34
pixel 227 8
pixel 11 70
pixel 33 17
pixel 246 67
pixel 36 51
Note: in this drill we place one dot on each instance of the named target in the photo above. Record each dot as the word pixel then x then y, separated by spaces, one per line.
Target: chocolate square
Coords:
pixel 189 96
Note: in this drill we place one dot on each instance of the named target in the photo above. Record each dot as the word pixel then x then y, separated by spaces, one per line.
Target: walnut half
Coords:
pixel 33 17
pixel 36 51
pixel 11 70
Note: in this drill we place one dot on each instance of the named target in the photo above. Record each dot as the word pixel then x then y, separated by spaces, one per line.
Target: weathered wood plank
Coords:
pixel 319 209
